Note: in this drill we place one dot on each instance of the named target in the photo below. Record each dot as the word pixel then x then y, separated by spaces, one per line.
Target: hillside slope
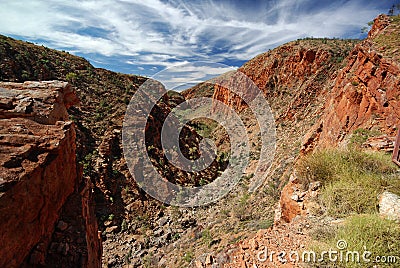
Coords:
pixel 320 91
pixel 363 94
pixel 366 92
pixel 123 210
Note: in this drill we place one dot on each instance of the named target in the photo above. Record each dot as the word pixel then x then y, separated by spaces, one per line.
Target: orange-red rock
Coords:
pixel 38 171
pixel 38 168
pixel 365 95
pixel 296 71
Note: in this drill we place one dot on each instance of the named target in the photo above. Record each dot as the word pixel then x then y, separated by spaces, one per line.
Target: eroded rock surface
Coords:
pixel 365 94
pixel 37 166
pixel 43 102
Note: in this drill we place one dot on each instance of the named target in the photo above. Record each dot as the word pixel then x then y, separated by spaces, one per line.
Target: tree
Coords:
pixel 391 10
pixel 394 10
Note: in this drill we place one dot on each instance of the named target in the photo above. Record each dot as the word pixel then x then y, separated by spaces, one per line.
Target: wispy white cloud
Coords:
pixel 161 33
pixel 190 73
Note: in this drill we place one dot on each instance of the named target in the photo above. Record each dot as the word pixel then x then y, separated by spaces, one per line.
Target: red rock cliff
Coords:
pixel 291 75
pixel 294 79
pixel 366 92
pixel 37 166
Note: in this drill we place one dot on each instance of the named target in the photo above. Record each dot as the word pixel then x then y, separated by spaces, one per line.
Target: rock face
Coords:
pixel 294 78
pixel 296 201
pixel 42 102
pixel 38 173
pixel 365 94
pixel 37 166
pixel 298 70
pixel 380 23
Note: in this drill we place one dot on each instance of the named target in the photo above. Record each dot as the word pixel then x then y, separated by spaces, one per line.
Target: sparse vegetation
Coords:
pixel 206 237
pixel 148 261
pixel 124 225
pixel 351 179
pixel 71 77
pixel 188 256
pixel 363 233
pixel 360 135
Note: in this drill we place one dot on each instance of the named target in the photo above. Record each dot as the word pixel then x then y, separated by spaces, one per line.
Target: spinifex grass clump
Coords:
pixel 360 242
pixel 351 179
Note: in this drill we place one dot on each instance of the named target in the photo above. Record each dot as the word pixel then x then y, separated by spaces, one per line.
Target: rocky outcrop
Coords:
pixel 38 170
pixel 43 102
pixel 380 23
pixel 365 95
pixel 295 200
pixel 297 71
pixel 381 143
pixel 294 79
pixel 389 206
pixel 37 166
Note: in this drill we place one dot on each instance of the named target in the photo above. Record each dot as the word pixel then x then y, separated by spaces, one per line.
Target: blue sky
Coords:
pixel 145 37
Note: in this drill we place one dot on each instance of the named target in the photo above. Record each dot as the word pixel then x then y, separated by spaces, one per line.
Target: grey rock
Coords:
pixel 162 221
pixel 389 206
pixel 158 232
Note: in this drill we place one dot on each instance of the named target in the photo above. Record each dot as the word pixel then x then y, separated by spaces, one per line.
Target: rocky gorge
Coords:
pixel 68 199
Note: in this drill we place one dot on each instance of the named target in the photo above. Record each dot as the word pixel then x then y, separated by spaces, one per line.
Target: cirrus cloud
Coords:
pixel 144 36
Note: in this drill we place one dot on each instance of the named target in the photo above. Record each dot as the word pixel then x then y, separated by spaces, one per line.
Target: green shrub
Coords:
pixel 188 256
pixel 367 232
pixel 124 225
pixel 25 75
pixel 360 136
pixel 71 77
pixel 355 194
pixel 351 179
pixel 206 237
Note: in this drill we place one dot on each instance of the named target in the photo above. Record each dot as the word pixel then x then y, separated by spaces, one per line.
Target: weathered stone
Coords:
pixel 111 262
pixel 314 185
pixel 44 102
pixel 111 229
pixel 38 175
pixel 209 260
pixel 295 197
pixel 365 95
pixel 158 232
pixel 288 208
pixel 389 206
pixel 381 143
pixel 162 221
